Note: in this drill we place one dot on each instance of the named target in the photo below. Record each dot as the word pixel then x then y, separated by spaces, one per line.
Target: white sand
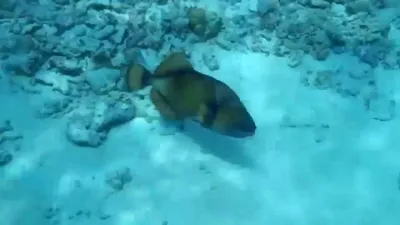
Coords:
pixel 281 176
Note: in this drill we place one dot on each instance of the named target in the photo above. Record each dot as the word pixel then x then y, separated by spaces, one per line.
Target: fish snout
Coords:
pixel 244 129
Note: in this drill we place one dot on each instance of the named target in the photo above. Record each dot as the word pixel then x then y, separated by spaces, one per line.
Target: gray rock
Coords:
pixel 211 61
pixel 29 28
pixel 295 58
pixel 46 31
pixel 103 79
pixel 64 65
pixel 17 44
pixel 5 126
pixel 120 35
pixel 5 157
pixel 62 2
pixel 80 133
pixel 134 39
pixel 135 55
pixel 118 179
pixel 97 4
pixel 79 30
pixel 53 107
pixel 77 47
pixel 101 57
pixel 348 87
pixel 94 22
pixel 8 5
pixel 111 114
pixel 64 21
pixel 55 80
pixel 108 47
pixel 380 107
pixel 91 126
pixel 91 44
pixel 7 133
pixel 319 4
pixel 264 6
pixel 24 64
pixel 105 32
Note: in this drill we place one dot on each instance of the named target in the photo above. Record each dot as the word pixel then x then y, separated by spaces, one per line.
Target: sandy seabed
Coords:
pixel 317 158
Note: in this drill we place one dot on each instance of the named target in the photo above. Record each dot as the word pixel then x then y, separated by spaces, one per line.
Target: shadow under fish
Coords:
pixel 230 150
pixel 179 92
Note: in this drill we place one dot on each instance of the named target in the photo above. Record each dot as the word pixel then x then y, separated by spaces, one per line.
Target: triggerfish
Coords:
pixel 180 92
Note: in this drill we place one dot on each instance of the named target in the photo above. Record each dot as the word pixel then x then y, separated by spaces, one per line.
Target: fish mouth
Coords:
pixel 246 130
pixel 241 133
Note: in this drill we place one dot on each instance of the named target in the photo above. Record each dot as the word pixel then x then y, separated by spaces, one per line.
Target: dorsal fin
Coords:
pixel 176 61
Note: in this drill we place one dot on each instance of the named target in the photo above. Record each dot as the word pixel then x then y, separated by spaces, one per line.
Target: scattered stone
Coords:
pixel 295 58
pixel 105 32
pixel 120 35
pixel 24 64
pixel 265 6
pixel 380 107
pixel 7 133
pixel 117 180
pixel 398 181
pixel 162 2
pixel 51 213
pixel 211 61
pixel 62 2
pixel 5 125
pixel 102 80
pixel 320 79
pixel 104 216
pixel 54 107
pixel 5 157
pixel 89 126
pixel 319 4
pixel 10 136
pixel 54 80
pixel 79 132
pixel 64 65
pixel 203 23
pixel 112 113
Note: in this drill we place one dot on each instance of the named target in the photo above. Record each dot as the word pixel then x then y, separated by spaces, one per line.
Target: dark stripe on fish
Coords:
pixel 165 100
pixel 211 114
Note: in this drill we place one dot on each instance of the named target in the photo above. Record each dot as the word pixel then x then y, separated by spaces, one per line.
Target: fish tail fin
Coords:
pixel 137 77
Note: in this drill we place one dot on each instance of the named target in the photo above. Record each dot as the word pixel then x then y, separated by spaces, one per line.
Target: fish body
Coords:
pixel 180 92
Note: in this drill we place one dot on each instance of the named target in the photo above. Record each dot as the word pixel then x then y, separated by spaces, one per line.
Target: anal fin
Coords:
pixel 162 105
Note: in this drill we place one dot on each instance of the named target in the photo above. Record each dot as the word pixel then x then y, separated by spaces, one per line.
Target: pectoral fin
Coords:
pixel 162 105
